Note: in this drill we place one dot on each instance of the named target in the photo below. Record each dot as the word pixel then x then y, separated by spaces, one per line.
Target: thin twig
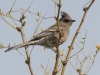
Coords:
pixel 78 60
pixel 13 19
pixel 47 65
pixel 11 7
pixel 88 65
pixel 27 8
pixel 38 25
pixel 36 31
pixel 2 14
pixel 92 46
pixel 81 48
pixel 71 64
pixel 94 56
pixel 15 44
pixel 84 60
pixel 40 15
pixel 44 70
pixel 6 21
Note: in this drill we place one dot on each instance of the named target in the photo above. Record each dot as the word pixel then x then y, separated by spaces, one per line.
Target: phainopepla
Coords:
pixel 49 37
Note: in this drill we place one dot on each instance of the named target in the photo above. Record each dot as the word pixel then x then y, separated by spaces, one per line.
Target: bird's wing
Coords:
pixel 40 35
pixel 50 31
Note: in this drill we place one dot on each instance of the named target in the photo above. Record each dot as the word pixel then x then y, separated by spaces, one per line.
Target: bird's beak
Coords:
pixel 73 20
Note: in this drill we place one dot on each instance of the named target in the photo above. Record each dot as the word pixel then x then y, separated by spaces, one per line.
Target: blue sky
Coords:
pixel 12 63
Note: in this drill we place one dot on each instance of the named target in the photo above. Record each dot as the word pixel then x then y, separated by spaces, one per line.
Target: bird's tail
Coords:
pixel 20 45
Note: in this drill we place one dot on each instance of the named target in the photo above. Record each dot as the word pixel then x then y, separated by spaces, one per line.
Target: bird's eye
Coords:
pixel 65 20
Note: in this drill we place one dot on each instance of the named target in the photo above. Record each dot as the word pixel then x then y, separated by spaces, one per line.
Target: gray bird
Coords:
pixel 49 37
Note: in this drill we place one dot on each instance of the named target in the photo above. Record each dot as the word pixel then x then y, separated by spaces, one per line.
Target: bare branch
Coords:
pixel 57 54
pixel 20 29
pixel 71 46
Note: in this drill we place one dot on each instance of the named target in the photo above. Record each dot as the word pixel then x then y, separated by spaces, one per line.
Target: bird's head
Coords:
pixel 66 18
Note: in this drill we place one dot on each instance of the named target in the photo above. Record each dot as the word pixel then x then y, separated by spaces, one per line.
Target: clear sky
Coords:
pixel 12 63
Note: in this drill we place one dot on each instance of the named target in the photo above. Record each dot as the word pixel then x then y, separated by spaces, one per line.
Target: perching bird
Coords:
pixel 49 37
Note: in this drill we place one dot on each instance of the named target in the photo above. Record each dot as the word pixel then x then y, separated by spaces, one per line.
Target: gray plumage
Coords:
pixel 49 37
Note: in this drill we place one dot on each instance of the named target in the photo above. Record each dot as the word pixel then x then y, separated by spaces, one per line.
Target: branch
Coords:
pixel 71 46
pixel 20 29
pixel 57 54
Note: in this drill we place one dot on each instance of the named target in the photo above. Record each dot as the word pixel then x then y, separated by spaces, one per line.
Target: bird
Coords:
pixel 49 37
